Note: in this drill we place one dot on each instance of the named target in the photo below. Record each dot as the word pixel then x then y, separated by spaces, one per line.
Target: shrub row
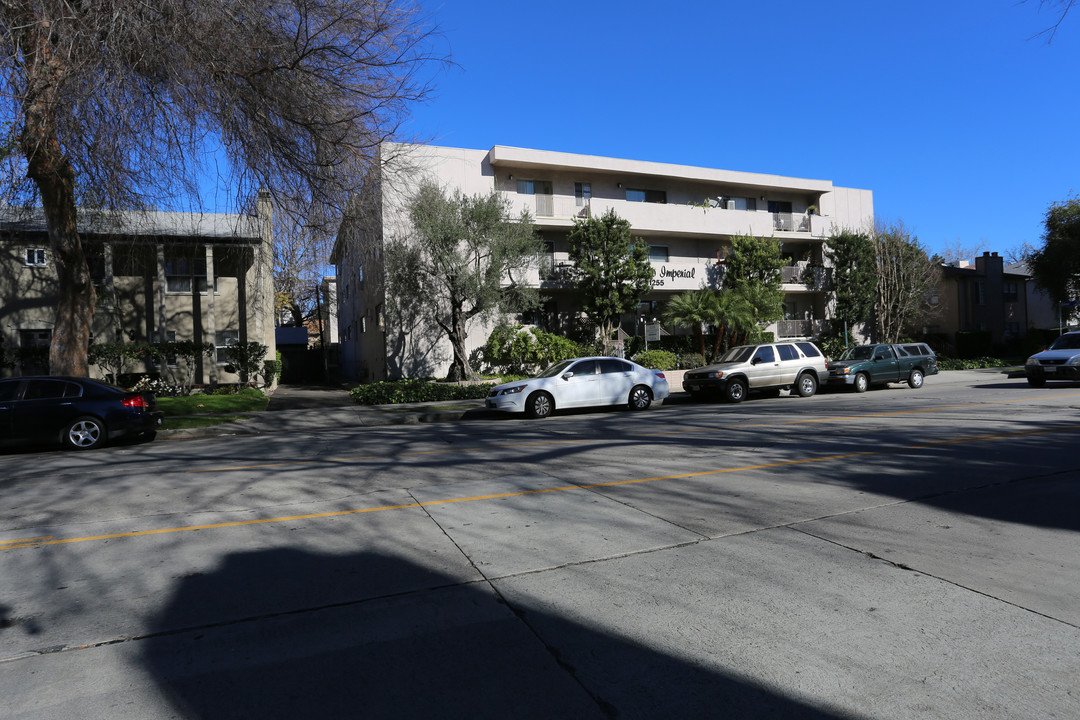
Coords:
pixel 412 391
pixel 945 363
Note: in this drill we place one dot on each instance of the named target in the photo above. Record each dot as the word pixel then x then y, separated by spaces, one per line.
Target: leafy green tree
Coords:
pixel 466 258
pixel 1056 265
pixel 752 272
pixel 610 270
pixel 906 277
pixel 854 268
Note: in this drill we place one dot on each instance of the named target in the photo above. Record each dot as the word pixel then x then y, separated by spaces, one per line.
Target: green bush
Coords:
pixel 523 351
pixel 689 361
pixel 945 363
pixel 657 360
pixel 412 391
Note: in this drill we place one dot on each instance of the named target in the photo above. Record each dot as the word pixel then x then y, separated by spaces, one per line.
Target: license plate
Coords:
pixel 692 387
pixel 1049 369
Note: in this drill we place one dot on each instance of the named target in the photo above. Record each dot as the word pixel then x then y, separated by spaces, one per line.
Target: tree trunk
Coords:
pixel 460 369
pixel 54 176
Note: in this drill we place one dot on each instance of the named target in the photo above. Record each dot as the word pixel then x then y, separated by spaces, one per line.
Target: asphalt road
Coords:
pixel 898 554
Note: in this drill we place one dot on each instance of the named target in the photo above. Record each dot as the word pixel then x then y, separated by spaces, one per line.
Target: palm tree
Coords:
pixel 732 311
pixel 693 309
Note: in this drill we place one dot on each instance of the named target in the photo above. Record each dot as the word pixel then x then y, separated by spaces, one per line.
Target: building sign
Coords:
pixel 674 278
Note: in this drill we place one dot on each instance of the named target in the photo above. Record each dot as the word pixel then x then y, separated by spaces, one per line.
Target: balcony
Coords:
pixel 801 328
pixel 671 218
pixel 806 276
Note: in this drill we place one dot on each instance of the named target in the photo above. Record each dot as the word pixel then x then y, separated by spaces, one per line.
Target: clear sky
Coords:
pixel 961 122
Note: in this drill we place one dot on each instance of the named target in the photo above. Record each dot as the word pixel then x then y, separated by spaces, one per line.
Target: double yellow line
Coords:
pixel 43 541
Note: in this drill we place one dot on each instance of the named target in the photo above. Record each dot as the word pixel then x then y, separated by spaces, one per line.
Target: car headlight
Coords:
pixel 716 374
pixel 1074 361
pixel 1032 361
pixel 513 390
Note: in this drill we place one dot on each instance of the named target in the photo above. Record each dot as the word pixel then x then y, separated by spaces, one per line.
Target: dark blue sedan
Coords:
pixel 78 412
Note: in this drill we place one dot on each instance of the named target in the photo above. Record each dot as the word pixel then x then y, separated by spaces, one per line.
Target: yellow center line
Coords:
pixel 49 540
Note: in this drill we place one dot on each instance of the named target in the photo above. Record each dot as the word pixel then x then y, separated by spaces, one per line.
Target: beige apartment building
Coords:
pixel 686 214
pixel 159 276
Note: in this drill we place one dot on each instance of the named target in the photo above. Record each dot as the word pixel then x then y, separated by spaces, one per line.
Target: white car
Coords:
pixel 581 382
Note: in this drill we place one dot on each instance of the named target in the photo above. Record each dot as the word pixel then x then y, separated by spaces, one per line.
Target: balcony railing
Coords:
pixel 801 328
pixel 560 210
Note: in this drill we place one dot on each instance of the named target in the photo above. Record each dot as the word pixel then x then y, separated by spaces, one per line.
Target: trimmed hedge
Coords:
pixel 414 391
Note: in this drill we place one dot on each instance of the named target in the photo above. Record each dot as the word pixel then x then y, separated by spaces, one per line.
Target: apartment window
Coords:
pixel 649 196
pixel 224 339
pixel 185 274
pixel 658 253
pixel 534 187
pixel 582 193
pixel 363 324
pixel 1010 292
pixel 35 257
pixel 545 204
pixel 977 293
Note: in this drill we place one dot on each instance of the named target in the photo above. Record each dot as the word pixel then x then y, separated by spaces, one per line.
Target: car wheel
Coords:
pixel 85 433
pixel 806 385
pixel 1036 382
pixel 735 391
pixel 915 379
pixel 640 398
pixel 539 405
pixel 862 382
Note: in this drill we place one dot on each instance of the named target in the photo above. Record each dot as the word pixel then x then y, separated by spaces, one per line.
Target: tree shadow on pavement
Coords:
pixel 286 634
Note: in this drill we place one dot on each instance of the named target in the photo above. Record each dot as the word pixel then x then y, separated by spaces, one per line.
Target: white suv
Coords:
pixel 767 366
pixel 1060 361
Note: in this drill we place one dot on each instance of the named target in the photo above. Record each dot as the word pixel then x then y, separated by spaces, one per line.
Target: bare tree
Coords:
pixel 1061 8
pixel 954 252
pixel 122 105
pixel 907 278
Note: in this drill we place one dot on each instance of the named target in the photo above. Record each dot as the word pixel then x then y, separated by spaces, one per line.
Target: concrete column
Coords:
pixel 210 321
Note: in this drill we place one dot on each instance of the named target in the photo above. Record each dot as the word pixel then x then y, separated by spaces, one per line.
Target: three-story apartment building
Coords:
pixel 686 214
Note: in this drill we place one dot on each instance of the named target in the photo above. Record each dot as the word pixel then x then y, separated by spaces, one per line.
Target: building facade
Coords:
pixel 686 214
pixel 158 276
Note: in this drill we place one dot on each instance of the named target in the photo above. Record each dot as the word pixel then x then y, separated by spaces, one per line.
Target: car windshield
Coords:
pixel 1067 342
pixel 556 369
pixel 737 354
pixel 862 352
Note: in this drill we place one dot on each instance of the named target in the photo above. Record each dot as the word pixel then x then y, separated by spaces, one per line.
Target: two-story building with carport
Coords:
pixel 686 214
pixel 159 277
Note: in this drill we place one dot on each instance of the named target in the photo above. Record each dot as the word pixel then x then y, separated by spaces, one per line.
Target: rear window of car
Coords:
pixel 787 352
pixel 809 349
pixel 915 350
pixel 48 389
pixel 614 366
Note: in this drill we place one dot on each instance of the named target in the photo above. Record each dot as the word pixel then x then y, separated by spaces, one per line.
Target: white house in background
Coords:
pixel 686 214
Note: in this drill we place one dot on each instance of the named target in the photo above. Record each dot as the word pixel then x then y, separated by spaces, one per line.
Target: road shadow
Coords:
pixel 286 633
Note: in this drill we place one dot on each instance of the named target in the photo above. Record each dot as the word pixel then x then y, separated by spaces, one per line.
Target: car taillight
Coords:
pixel 134 401
pixel 660 374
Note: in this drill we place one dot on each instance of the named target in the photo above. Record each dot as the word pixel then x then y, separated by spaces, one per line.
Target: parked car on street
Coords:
pixel 78 412
pixel 767 366
pixel 581 382
pixel 865 365
pixel 1060 361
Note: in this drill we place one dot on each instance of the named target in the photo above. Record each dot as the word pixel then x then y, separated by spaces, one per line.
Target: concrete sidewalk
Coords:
pixel 296 408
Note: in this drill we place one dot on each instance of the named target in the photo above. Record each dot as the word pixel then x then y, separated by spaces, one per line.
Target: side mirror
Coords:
pixel 567 375
pixel 755 361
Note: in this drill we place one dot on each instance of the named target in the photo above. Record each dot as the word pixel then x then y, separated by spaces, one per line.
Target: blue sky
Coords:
pixel 962 124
